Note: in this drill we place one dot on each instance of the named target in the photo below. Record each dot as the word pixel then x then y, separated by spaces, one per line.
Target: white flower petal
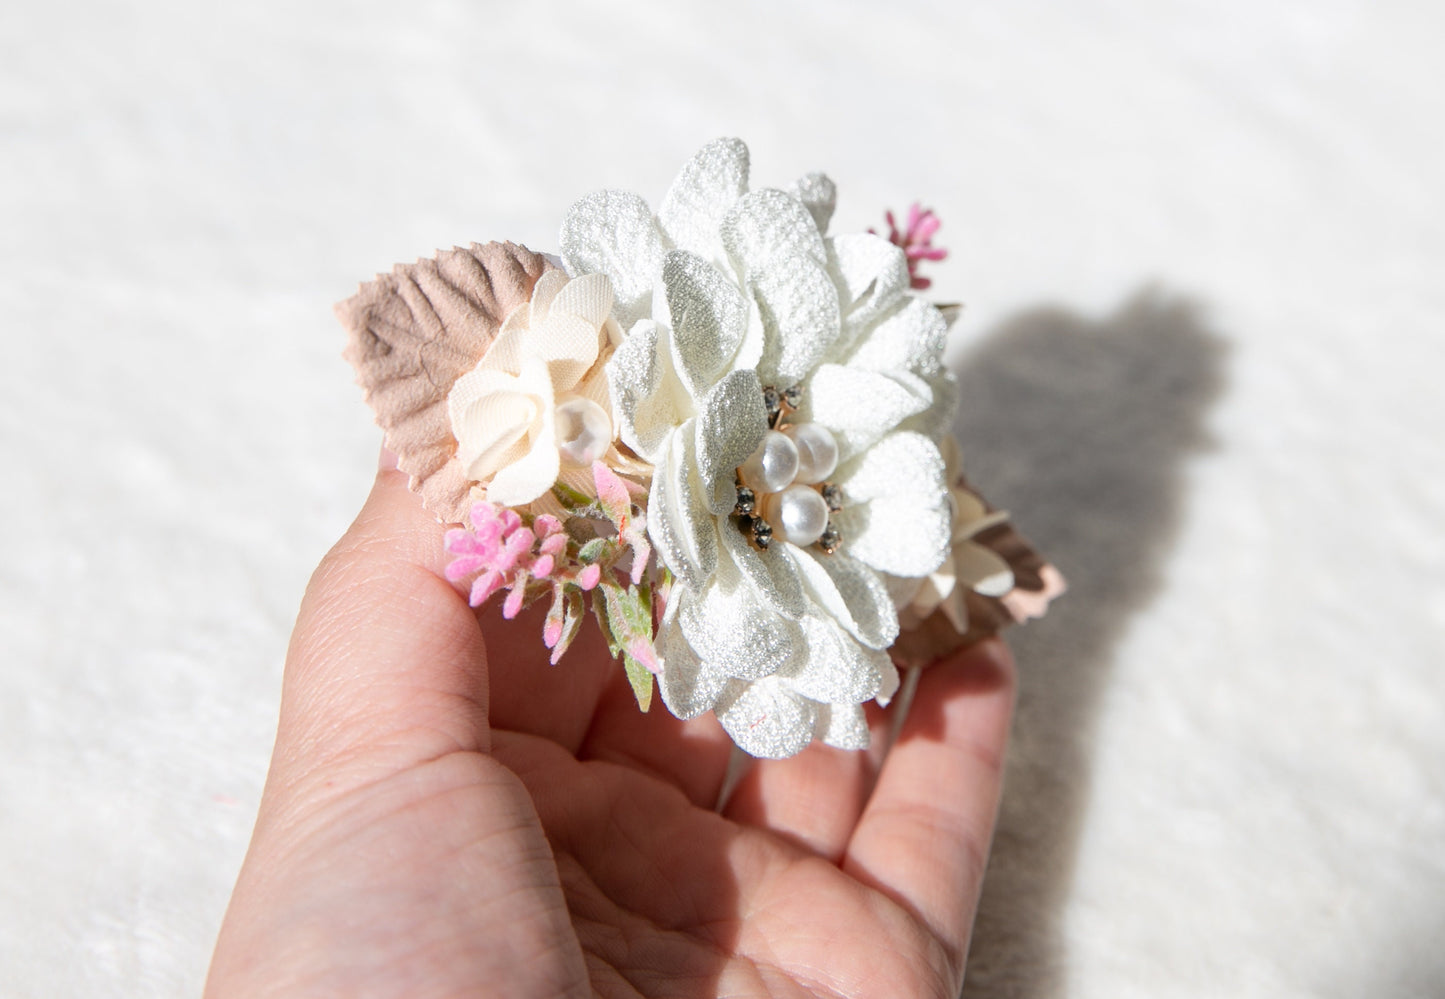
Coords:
pixel 772 572
pixel 704 190
pixel 640 377
pixel 568 344
pixel 776 245
pixel 896 516
pixel 765 718
pixel 734 632
pixel 982 570
pixel 860 407
pixel 545 290
pixel 709 318
pixel 677 519
pixel 689 686
pixel 531 475
pixel 910 339
pixel 843 726
pixel 872 277
pixel 799 308
pixel 819 195
pixel 836 669
pixel 614 233
pixel 588 297
pixel 730 425
pixel 851 592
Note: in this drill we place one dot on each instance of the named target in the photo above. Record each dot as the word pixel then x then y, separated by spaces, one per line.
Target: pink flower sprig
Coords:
pixel 916 240
pixel 508 554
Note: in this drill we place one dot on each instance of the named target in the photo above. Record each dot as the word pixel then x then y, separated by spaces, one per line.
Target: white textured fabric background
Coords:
pixel 1202 246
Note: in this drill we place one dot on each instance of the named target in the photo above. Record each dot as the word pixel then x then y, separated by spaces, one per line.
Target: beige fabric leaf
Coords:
pixel 413 333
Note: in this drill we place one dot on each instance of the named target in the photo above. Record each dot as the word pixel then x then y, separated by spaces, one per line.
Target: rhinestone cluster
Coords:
pixel 782 487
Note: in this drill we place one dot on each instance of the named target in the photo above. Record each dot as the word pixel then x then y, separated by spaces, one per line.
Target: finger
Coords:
pixel 924 835
pixel 813 799
pixel 692 755
pixel 387 659
pixel 528 693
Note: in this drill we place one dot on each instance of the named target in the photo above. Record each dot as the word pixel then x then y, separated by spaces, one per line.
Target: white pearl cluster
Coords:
pixel 783 473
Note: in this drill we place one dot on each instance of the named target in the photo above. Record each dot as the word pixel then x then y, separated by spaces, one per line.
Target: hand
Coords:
pixel 448 816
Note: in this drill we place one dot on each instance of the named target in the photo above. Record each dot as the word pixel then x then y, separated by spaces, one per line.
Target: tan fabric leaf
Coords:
pixel 414 332
pixel 1036 582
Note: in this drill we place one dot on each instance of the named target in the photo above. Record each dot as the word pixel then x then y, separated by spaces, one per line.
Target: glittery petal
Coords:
pixel 819 195
pixel 689 687
pixel 872 277
pixel 733 632
pixel 860 407
pixel 614 233
pixel 639 376
pixel 774 242
pixel 843 726
pixel 765 718
pixel 896 516
pixel 910 339
pixel 851 592
pixel 771 572
pixel 684 533
pixel 836 669
pixel 730 426
pixel 704 190
pixel 709 318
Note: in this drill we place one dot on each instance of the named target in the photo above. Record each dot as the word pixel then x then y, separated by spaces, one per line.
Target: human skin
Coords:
pixel 448 815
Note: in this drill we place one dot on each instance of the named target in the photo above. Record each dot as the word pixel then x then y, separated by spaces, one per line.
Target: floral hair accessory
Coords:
pixel 720 429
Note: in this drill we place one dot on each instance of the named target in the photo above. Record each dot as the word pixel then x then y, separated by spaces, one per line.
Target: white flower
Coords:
pixel 723 292
pixel 969 565
pixel 537 401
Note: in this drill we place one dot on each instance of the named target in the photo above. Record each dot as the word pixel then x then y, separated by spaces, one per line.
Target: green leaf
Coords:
pixel 597 550
pixel 599 610
pixel 572 616
pixel 641 680
pixel 574 500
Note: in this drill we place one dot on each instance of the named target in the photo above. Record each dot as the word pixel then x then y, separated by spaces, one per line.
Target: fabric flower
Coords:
pixel 726 293
pixel 536 406
pixel 969 565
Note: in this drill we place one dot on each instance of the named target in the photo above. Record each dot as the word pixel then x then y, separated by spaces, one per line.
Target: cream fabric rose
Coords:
pixel 537 402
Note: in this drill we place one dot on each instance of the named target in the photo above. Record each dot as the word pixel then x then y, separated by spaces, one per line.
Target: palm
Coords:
pixel 459 820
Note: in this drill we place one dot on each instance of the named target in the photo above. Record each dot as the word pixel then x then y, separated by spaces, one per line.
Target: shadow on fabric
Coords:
pixel 1082 428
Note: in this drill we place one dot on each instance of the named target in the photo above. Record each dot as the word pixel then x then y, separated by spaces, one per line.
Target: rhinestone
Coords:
pixel 833 496
pixel 830 540
pixel 772 402
pixel 793 396
pixel 747 500
pixel 762 533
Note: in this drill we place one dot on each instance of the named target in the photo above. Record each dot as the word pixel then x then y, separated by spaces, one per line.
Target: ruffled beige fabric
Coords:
pixel 413 333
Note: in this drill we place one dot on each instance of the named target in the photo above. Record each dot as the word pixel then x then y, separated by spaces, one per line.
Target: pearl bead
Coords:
pixel 817 451
pixel 584 431
pixel 773 465
pixel 797 514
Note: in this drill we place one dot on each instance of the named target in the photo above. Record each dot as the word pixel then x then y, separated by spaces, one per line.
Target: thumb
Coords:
pixel 387 667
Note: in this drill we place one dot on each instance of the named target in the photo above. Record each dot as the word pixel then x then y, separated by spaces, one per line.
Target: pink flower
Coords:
pixel 916 240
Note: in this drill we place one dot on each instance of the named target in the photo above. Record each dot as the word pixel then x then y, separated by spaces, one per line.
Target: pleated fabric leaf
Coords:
pixel 412 333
